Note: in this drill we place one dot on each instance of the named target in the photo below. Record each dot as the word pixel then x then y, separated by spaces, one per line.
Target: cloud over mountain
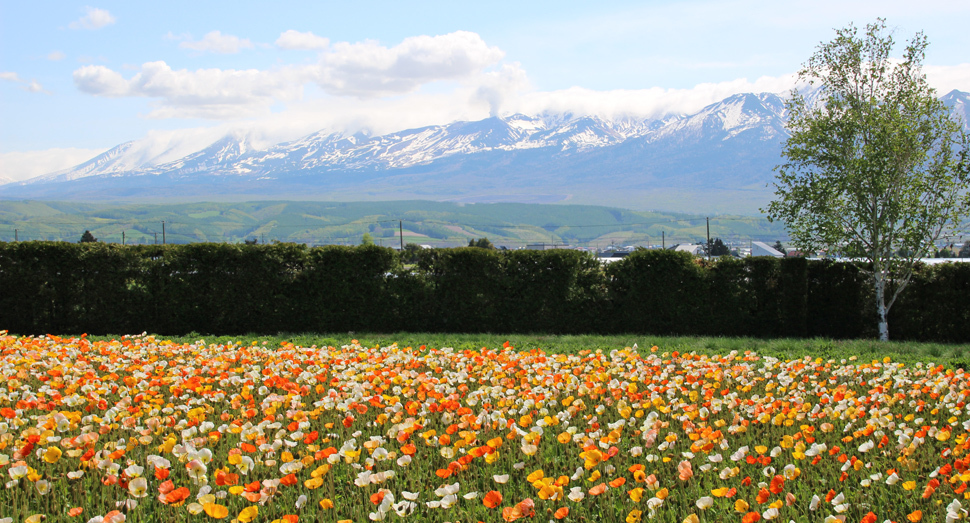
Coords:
pixel 370 69
pixel 203 93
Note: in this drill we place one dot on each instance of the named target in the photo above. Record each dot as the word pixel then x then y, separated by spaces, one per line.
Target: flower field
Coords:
pixel 142 429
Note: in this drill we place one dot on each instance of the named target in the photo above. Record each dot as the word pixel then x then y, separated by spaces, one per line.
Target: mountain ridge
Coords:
pixel 727 149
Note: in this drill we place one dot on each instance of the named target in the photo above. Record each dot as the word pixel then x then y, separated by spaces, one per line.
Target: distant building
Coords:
pixel 695 249
pixel 545 246
pixel 614 254
pixel 763 249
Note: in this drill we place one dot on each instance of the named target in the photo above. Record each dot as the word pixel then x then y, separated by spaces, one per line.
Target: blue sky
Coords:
pixel 79 78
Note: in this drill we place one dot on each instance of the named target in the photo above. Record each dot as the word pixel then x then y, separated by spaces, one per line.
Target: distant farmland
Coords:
pixel 439 224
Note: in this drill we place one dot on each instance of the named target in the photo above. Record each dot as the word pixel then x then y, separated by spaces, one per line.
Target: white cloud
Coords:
pixel 204 93
pixel 32 86
pixel 23 165
pixel 945 78
pixel 35 87
pixel 99 80
pixel 94 19
pixel 216 42
pixel 363 70
pixel 370 69
pixel 655 102
pixel 56 55
pixel 495 88
pixel 306 41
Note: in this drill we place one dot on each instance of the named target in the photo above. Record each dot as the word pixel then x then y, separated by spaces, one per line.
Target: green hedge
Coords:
pixel 232 289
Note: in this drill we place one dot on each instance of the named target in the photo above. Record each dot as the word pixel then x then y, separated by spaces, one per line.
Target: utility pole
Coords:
pixel 400 228
pixel 16 238
pixel 708 238
pixel 163 232
pixel 156 237
pixel 122 237
pixel 663 240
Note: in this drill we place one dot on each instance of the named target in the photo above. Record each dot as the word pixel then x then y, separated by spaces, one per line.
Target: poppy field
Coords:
pixel 142 429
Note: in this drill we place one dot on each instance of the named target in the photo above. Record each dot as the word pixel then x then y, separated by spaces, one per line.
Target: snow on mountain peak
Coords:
pixel 328 150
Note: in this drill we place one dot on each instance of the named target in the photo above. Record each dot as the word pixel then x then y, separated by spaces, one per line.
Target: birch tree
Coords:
pixel 876 165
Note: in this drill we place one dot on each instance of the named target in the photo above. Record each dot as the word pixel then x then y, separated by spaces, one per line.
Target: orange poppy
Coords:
pixel 684 470
pixel 777 484
pixel 165 487
pixel 763 496
pixel 226 479
pixel 525 509
pixel 176 497
pixel 492 499
pixel 751 517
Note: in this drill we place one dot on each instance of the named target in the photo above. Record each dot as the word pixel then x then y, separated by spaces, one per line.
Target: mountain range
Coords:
pixel 717 160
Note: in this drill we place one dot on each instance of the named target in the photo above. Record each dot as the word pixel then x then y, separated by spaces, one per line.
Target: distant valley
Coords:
pixel 512 225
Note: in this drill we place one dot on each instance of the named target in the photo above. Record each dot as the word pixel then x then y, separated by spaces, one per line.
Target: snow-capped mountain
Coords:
pixel 118 159
pixel 328 150
pixel 763 114
pixel 959 104
pixel 719 159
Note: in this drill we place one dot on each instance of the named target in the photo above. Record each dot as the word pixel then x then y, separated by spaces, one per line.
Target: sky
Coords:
pixel 78 78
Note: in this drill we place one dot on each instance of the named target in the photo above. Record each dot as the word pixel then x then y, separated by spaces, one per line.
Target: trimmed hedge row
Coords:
pixel 233 289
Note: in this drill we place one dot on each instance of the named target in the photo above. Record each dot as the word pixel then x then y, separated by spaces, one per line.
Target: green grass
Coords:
pixel 509 224
pixel 949 355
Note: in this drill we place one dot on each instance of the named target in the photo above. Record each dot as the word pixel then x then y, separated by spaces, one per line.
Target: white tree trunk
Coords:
pixel 881 304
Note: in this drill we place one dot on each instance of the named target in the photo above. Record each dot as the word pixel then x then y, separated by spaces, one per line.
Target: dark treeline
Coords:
pixel 55 287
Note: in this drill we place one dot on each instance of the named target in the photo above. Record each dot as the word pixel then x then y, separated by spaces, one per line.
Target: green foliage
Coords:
pixel 936 305
pixel 657 291
pixel 410 254
pixel 836 300
pixel 877 165
pixel 87 237
pixel 231 289
pixel 553 291
pixel 367 239
pixel 466 286
pixel 716 247
pixel 345 289
pixel 481 243
pixel 793 299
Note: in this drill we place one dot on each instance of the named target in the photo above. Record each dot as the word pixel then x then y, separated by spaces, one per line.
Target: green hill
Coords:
pixel 423 222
